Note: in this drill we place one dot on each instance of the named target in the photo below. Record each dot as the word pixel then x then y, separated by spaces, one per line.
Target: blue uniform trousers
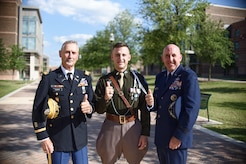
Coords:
pixel 78 157
pixel 168 156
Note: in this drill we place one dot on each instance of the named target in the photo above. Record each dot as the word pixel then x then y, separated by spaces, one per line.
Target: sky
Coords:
pixel 80 19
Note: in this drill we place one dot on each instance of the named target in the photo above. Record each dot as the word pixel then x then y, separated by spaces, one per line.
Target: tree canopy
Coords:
pixel 182 22
pixel 96 52
pixel 3 56
pixel 16 58
pixel 212 45
pixel 167 21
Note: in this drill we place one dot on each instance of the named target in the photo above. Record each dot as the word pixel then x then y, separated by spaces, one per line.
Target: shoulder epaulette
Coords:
pixel 45 73
pixel 87 73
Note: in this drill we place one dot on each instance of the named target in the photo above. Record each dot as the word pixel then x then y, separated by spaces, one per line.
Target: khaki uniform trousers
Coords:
pixel 115 139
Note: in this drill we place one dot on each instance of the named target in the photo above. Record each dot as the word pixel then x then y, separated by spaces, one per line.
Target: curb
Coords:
pixel 221 136
pixel 17 90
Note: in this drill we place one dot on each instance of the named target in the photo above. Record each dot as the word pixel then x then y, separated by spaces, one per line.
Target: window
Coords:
pixel 29 32
pixel 29 43
pixel 29 25
pixel 237 33
pixel 236 45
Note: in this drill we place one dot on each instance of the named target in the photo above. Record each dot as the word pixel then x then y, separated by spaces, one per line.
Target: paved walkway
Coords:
pixel 18 143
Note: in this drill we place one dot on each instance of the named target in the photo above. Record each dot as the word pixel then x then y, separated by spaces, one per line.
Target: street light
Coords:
pixel 111 39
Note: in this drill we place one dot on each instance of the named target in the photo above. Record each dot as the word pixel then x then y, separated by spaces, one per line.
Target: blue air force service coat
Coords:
pixel 68 131
pixel 177 103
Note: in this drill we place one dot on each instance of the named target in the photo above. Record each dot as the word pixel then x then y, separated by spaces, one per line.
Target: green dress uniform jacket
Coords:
pixel 68 131
pixel 133 91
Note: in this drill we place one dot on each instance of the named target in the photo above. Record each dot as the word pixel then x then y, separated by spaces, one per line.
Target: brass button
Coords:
pixel 51 125
pixel 72 116
pixel 71 101
pixel 71 94
pixel 71 109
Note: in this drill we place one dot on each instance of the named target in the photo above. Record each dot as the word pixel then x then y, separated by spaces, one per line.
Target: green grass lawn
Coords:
pixel 7 86
pixel 227 105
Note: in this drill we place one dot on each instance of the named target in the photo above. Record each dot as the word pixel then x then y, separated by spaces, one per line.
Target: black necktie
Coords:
pixel 69 77
pixel 169 77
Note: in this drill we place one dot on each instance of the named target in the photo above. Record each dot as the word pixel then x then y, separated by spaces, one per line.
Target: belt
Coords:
pixel 122 119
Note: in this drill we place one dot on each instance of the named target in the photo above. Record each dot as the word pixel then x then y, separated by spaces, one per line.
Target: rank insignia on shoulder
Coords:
pixel 45 73
pixel 87 73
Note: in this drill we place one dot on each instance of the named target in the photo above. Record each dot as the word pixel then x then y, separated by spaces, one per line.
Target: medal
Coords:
pixel 173 97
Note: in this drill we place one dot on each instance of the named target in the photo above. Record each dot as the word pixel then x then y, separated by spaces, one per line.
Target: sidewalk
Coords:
pixel 18 142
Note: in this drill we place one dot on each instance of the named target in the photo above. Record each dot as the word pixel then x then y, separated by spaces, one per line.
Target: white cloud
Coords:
pixel 80 38
pixel 87 11
pixel 46 43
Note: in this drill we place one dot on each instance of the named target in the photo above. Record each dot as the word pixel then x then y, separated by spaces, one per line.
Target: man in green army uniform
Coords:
pixel 121 94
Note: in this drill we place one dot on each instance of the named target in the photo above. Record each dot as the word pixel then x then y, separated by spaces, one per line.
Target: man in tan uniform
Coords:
pixel 123 131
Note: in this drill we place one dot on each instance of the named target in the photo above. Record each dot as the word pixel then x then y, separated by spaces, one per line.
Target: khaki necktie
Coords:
pixel 121 80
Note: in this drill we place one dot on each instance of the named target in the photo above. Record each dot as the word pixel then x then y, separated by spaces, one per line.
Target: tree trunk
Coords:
pixel 13 74
pixel 209 72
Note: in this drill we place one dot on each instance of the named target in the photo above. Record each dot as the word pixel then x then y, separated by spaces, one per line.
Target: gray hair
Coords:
pixel 68 42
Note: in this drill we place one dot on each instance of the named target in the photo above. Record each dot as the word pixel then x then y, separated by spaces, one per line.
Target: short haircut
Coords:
pixel 120 44
pixel 68 42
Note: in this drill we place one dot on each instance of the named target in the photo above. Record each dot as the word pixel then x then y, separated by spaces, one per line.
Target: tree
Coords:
pixel 126 29
pixel 16 58
pixel 167 21
pixel 3 56
pixel 212 44
pixel 96 52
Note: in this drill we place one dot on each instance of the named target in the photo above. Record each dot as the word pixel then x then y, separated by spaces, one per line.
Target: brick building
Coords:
pixel 23 26
pixel 238 36
pixel 234 20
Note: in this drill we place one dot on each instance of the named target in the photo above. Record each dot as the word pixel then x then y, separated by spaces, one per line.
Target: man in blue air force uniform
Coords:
pixel 177 102
pixel 70 92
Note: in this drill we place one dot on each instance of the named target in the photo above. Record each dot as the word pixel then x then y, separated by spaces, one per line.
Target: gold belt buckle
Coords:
pixel 122 119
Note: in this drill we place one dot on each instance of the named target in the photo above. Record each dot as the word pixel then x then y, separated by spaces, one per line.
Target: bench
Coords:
pixel 204 102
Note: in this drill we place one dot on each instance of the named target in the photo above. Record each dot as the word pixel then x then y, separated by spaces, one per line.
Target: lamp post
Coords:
pixel 111 39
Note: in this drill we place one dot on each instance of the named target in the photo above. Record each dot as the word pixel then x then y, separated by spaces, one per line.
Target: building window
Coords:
pixel 29 43
pixel 29 32
pixel 29 25
pixel 237 33
pixel 236 45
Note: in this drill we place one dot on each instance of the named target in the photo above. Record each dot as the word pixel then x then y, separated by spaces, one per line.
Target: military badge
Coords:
pixel 135 92
pixel 57 87
pixel 176 84
pixel 173 97
pixel 83 82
